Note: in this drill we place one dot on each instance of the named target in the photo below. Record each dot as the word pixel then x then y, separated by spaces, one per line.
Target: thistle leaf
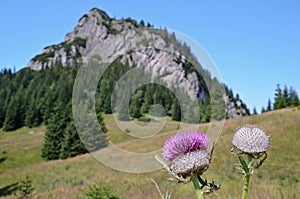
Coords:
pixel 244 164
pixel 212 150
pixel 158 189
pixel 168 196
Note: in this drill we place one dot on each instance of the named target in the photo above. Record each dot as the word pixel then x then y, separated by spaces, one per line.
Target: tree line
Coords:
pixel 31 98
pixel 286 97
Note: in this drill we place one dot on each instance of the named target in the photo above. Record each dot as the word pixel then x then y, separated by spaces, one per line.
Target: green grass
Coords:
pixel 21 147
pixel 116 135
pixel 279 176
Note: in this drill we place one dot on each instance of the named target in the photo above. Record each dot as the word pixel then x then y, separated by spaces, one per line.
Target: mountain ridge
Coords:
pixel 134 43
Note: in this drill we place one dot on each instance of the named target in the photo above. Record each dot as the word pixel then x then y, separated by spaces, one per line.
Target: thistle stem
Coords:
pixel 197 186
pixel 247 178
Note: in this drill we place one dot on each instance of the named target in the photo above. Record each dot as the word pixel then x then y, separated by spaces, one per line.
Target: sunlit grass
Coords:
pixel 277 178
pixel 21 147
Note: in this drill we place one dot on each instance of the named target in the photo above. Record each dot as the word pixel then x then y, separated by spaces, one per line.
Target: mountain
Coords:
pixel 169 82
pixel 156 50
pixel 115 38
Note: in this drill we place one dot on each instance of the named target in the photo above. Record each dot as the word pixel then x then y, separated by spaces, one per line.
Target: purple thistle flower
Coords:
pixel 187 153
pixel 183 144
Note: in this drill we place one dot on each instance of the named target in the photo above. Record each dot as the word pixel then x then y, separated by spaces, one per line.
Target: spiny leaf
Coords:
pixel 158 189
pixel 244 164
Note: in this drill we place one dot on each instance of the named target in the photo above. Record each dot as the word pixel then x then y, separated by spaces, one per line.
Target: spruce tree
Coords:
pixel 286 96
pixel 54 136
pixel 191 114
pixel 269 107
pixel 207 116
pixel 142 24
pixel 10 122
pixel 91 136
pixel 254 111
pixel 2 108
pixel 123 114
pixel 217 102
pixel 71 143
pixel 279 99
pixel 91 129
pixel 135 104
pixel 176 112
pixel 33 114
pixel 294 98
pixel 15 114
pixel 101 122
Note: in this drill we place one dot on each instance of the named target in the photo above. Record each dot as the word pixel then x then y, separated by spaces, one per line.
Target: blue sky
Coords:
pixel 255 44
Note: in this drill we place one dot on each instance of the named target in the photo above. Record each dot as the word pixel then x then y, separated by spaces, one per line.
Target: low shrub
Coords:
pixel 144 119
pixel 100 191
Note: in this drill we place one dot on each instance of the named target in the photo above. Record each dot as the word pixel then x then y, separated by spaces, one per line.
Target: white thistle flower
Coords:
pixel 251 139
pixel 193 162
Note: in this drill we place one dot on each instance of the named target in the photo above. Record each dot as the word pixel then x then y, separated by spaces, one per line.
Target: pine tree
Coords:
pixel 15 114
pixel 254 111
pixel 217 102
pixel 230 93
pixel 91 136
pixel 148 98
pixel 176 112
pixel 191 115
pixel 207 116
pixel 279 99
pixel 286 96
pixel 2 107
pixel 11 116
pixel 71 144
pixel 142 24
pixel 54 136
pixel 294 98
pixel 91 129
pixel 47 107
pixel 135 104
pixel 269 107
pixel 123 114
pixel 25 188
pixel 33 113
pixel 101 122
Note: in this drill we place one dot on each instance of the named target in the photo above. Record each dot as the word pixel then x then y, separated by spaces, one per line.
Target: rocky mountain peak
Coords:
pixel 93 29
pixel 153 49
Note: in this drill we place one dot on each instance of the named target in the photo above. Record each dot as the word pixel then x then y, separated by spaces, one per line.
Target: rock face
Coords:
pixel 135 45
pixel 128 41
pixel 96 29
pixel 160 64
pixel 235 108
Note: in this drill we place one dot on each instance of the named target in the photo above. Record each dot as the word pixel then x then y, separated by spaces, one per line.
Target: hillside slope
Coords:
pixel 277 178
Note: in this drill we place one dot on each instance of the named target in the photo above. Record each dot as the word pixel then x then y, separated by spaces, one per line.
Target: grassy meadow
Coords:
pixel 279 176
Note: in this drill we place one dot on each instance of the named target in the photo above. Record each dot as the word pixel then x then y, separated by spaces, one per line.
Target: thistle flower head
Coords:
pixel 251 139
pixel 184 143
pixel 196 161
pixel 187 153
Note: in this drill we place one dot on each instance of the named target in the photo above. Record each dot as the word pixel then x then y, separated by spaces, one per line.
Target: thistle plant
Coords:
pixel 251 142
pixel 189 159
